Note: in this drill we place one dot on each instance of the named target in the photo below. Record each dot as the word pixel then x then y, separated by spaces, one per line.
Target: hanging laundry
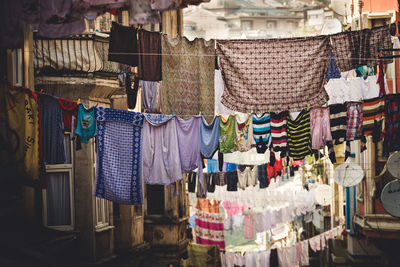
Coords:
pixel 273 65
pixel 381 80
pixel 188 132
pixel 364 72
pixel 209 137
pixel 373 118
pixel 320 127
pixel 358 48
pixel 305 259
pixel 131 92
pixel 248 227
pixel 69 109
pixel 262 131
pixel 60 18
pixel 262 174
pixel 232 180
pixel 315 243
pixel 212 165
pixel 392 124
pixel 123 46
pixel 274 261
pixel 247 177
pixel 151 95
pixel 161 160
pixel 227 134
pixel 219 87
pixel 278 131
pixel 52 135
pixel 244 132
pixel 188 76
pixel 210 229
pixel 140 12
pixel 257 258
pixel 333 71
pixel 299 142
pixel 201 192
pixel 338 122
pixel 149 67
pixel 210 179
pixel 86 125
pixel 221 179
pixel 354 120
pixel 287 257
pixel 118 169
pixel 192 177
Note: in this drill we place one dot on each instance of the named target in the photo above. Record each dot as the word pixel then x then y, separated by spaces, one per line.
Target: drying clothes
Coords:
pixel 221 179
pixel 86 125
pixel 201 192
pixel 161 160
pixel 230 166
pixel 287 257
pixel 51 129
pixel 69 109
pixel 210 181
pixel 59 18
pixel 273 259
pixel 209 137
pixel 381 79
pixel 354 120
pixel 299 135
pixel 19 132
pixel 257 258
pixel 212 165
pixel 192 177
pixel 188 131
pixel 140 12
pixel 150 91
pixel 247 177
pixel 232 208
pixel 315 243
pixel 244 132
pixel 320 127
pixel 227 134
pixel 123 47
pixel 392 124
pixel 358 48
pixel 219 87
pixel 373 117
pixel 273 65
pixel 131 93
pixel 231 180
pixel 333 71
pixel 119 163
pixel 364 71
pixel 331 152
pixel 262 131
pixel 149 66
pixel 338 122
pixel 304 260
pixel 188 76
pixel 203 204
pixel 210 229
pixel 248 223
pixel 278 131
pixel 372 87
pixel 262 175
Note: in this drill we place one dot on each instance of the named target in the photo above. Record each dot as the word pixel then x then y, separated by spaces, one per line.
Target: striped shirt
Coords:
pixel 338 120
pixel 278 131
pixel 373 116
pixel 262 131
pixel 299 137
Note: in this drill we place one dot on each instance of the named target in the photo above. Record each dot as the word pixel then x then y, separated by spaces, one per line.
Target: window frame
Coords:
pixel 62 168
pixel 17 70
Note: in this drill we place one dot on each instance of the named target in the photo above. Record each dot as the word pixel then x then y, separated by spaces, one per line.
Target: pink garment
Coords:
pixel 315 243
pixel 298 252
pixel 305 259
pixel 248 227
pixel 320 127
pixel 233 208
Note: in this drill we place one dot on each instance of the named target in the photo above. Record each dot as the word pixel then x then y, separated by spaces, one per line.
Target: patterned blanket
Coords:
pixel 210 229
pixel 119 140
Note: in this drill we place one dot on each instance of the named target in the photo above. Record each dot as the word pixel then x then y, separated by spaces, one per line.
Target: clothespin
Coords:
pixel 97 104
pixel 79 101
pixel 41 91
pixel 308 106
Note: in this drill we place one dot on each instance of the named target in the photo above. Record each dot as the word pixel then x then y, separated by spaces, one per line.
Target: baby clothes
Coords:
pixel 209 137
pixel 227 134
pixel 320 127
pixel 299 135
pixel 248 227
pixel 262 131
pixel 338 122
pixel 244 132
pixel 278 131
pixel 354 120
pixel 373 117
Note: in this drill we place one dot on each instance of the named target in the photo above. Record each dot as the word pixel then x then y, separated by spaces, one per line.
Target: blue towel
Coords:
pixel 209 137
pixel 119 173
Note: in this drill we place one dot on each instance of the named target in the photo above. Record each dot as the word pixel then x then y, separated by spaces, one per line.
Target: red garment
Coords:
pixel 69 108
pixel 273 170
pixel 381 79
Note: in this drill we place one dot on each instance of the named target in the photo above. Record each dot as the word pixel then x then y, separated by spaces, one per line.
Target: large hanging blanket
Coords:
pixel 276 73
pixel 119 140
pixel 210 229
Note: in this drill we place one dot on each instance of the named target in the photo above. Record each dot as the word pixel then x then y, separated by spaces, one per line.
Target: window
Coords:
pixel 17 75
pixel 155 199
pixel 246 25
pixel 58 197
pixel 102 206
pixel 271 24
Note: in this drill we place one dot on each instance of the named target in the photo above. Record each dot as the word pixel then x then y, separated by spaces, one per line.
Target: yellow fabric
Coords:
pixel 31 137
pixel 203 256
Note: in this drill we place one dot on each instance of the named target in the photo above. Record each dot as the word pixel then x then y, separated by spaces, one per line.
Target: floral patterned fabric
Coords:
pixel 276 73
pixel 210 229
pixel 188 77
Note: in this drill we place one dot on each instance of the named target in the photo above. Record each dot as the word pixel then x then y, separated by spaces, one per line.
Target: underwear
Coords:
pixel 354 121
pixel 338 122
pixel 320 127
pixel 299 135
pixel 262 131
